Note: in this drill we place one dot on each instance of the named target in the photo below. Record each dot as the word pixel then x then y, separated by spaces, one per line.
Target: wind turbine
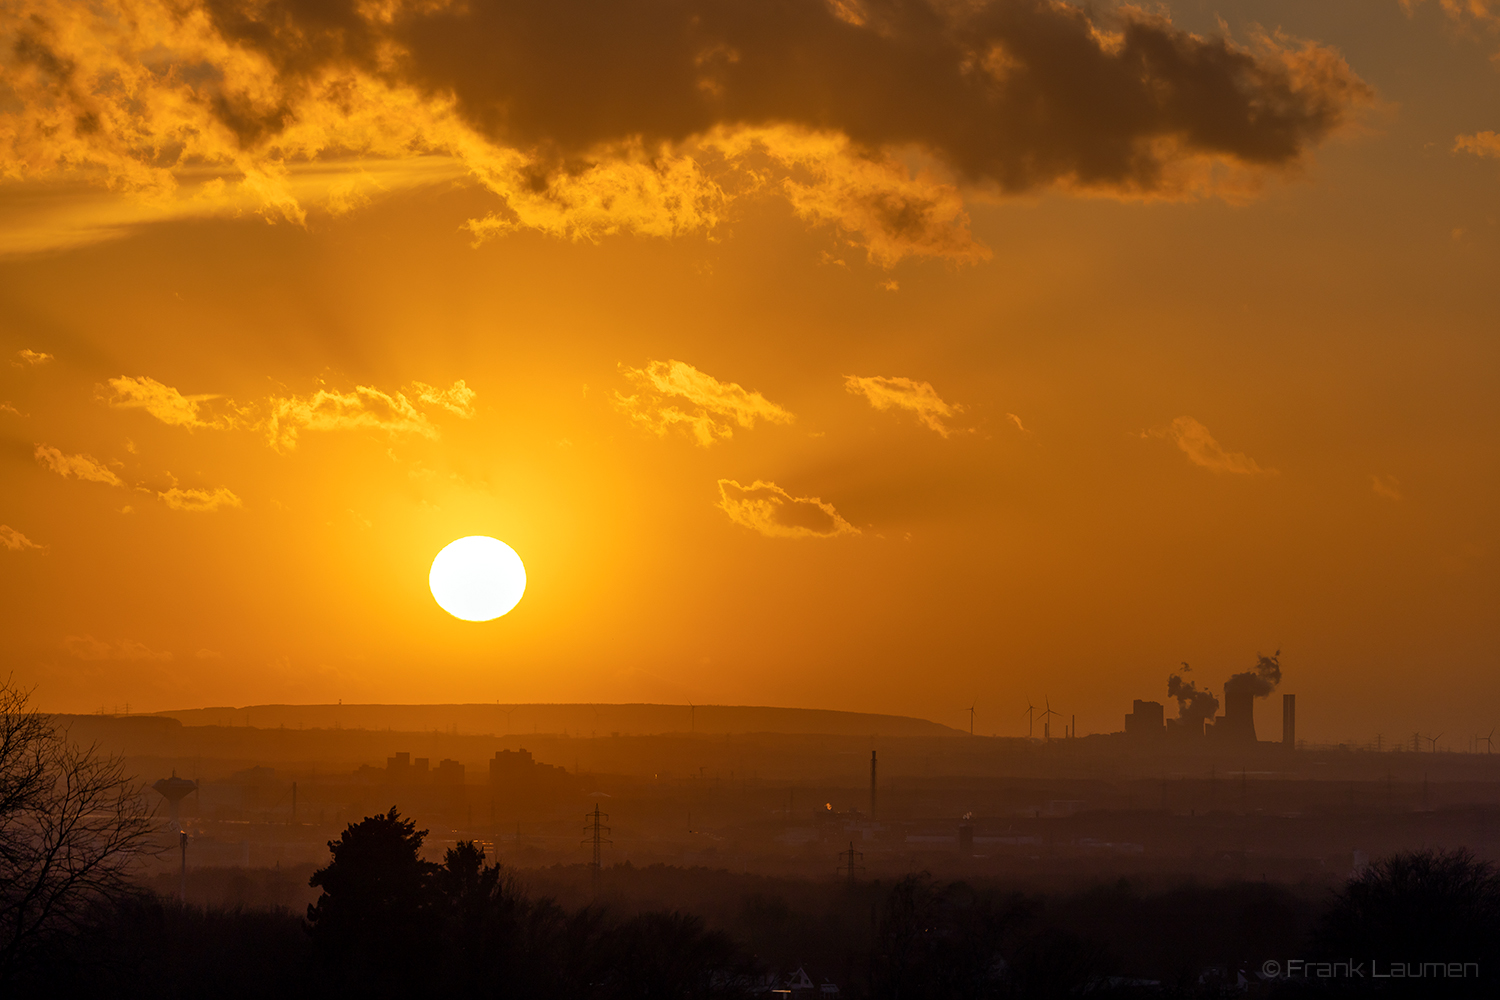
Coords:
pixel 971 717
pixel 1046 723
pixel 1029 709
pixel 1489 744
pixel 1433 740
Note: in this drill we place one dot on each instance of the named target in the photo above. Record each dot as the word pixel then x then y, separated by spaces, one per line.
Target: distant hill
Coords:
pixel 575 720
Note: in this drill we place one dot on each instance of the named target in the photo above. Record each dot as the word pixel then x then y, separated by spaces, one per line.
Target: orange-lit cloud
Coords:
pixel 13 540
pixel 1201 448
pixel 31 357
pixel 363 408
pixel 457 398
pixel 1480 144
pixel 675 394
pixel 287 416
pixel 775 513
pixel 1476 13
pixel 86 647
pixel 1386 486
pixel 166 404
pixel 640 119
pixel 906 394
pixel 872 199
pixel 76 466
pixel 199 500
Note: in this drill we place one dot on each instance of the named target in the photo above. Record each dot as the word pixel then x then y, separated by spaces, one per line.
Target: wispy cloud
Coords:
pixel 1386 486
pixel 675 394
pixel 775 513
pixel 12 539
pixel 31 357
pixel 1201 449
pixel 86 647
pixel 199 500
pixel 167 404
pixel 920 398
pixel 76 466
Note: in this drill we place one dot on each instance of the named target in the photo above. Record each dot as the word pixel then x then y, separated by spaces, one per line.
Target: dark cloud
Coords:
pixel 1013 93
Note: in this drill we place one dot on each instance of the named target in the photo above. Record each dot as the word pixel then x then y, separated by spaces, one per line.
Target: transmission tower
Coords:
pixel 850 862
pixel 595 828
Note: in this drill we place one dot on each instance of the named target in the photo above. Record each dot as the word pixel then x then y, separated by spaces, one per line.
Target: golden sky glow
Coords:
pixel 890 355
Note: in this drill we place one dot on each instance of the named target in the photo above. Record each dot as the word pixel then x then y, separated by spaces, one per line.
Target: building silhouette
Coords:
pixel 1146 720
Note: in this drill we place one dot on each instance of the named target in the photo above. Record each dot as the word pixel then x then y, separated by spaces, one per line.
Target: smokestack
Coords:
pixel 872 786
pixel 1289 721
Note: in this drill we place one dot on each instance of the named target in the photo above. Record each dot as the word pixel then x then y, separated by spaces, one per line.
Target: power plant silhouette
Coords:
pixel 1196 708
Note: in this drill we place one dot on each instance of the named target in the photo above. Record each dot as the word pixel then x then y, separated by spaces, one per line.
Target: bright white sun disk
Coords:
pixel 477 578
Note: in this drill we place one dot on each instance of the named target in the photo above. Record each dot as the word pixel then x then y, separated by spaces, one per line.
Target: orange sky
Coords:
pixel 876 356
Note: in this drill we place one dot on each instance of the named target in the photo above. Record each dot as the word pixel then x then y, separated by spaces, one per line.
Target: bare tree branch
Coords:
pixel 73 828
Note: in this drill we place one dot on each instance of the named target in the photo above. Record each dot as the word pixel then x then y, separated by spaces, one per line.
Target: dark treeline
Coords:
pixel 389 923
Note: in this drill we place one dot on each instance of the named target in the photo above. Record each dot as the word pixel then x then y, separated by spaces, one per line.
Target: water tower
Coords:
pixel 174 790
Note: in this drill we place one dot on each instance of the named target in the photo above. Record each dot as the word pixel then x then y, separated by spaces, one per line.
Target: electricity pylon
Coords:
pixel 850 865
pixel 595 828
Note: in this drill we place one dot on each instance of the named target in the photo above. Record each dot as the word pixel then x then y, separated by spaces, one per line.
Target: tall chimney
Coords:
pixel 1289 721
pixel 872 786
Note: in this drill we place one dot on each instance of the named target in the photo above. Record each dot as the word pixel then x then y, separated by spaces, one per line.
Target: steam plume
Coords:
pixel 1260 681
pixel 1193 705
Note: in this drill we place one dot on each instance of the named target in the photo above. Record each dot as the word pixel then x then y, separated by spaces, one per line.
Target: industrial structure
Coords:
pixel 1147 720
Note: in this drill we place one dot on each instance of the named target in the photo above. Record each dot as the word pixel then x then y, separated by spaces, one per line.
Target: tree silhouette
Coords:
pixel 375 916
pixel 1416 907
pixel 671 956
pixel 947 941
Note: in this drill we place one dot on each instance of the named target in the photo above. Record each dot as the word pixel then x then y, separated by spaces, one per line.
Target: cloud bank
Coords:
pixel 675 394
pixel 603 116
pixel 775 513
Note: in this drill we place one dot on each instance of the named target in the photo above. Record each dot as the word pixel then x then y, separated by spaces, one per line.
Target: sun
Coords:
pixel 477 578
